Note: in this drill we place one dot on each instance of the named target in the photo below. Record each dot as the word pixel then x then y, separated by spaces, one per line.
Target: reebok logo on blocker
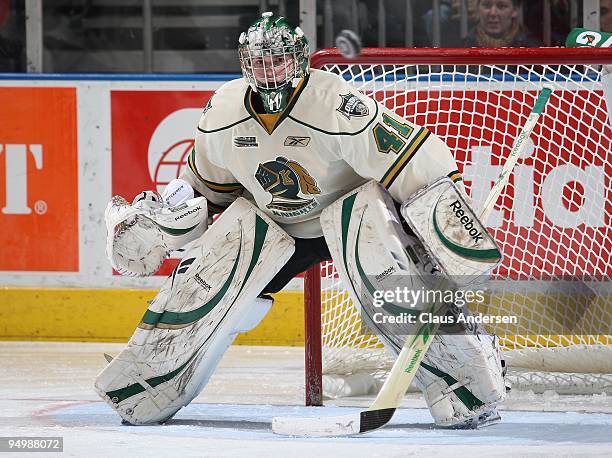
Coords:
pixel 466 221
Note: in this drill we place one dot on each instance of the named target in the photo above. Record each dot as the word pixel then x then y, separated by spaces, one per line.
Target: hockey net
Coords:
pixel 552 221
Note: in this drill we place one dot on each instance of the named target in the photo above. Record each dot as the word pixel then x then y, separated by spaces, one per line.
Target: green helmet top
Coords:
pixel 273 55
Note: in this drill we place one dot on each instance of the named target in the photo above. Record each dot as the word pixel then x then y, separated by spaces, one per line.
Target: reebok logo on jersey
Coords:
pixel 245 142
pixel 352 105
pixel 297 141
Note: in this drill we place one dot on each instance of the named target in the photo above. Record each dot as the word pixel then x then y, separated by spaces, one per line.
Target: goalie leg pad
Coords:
pixel 461 379
pixel 261 307
pixel 368 243
pixel 373 254
pixel 210 297
pixel 461 374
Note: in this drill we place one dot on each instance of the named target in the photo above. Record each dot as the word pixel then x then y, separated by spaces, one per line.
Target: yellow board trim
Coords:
pixel 112 315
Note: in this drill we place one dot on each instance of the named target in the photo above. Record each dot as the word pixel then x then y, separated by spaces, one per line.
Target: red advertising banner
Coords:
pixel 152 135
pixel 553 218
pixel 38 180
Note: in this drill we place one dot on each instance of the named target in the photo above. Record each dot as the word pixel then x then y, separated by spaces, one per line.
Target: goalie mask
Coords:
pixel 273 57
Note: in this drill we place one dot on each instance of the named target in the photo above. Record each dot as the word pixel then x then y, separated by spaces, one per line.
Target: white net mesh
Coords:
pixel 552 220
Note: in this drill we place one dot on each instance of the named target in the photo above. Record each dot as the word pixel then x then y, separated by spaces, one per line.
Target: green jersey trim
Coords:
pixel 404 158
pixel 249 106
pixel 224 127
pixel 223 188
pixel 339 133
pixel 455 175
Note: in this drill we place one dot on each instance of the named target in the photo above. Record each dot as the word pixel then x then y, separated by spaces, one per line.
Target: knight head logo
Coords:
pixel 290 185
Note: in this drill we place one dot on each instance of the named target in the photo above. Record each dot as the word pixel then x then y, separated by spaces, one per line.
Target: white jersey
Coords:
pixel 329 140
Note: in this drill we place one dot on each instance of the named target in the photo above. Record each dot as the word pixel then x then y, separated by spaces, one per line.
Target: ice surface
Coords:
pixel 46 390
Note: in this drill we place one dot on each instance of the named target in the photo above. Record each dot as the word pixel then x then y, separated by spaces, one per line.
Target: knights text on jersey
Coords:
pixel 328 141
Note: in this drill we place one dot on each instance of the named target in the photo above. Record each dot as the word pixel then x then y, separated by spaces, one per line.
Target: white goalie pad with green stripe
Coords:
pixel 460 375
pixel 449 229
pixel 373 255
pixel 208 299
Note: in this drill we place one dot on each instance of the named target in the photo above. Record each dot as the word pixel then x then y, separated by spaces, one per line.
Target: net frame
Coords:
pixel 375 360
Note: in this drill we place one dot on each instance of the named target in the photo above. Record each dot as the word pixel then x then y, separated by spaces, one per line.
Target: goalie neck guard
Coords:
pixel 274 57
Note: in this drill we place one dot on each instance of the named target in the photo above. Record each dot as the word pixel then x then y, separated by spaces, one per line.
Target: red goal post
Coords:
pixel 465 56
pixel 437 87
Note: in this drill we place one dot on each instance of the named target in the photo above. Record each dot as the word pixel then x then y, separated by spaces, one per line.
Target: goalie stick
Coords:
pixel 405 367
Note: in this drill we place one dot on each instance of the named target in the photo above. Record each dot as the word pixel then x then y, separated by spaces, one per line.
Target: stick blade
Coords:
pixel 374 419
pixel 342 425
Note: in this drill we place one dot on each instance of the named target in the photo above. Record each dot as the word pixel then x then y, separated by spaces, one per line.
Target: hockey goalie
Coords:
pixel 276 153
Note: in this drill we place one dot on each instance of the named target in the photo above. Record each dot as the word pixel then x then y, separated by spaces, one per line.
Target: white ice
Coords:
pixel 46 390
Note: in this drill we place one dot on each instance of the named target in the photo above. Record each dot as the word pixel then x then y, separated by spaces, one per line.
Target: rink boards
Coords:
pixel 68 144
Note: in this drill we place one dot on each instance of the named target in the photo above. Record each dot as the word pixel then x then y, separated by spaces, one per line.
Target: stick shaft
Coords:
pixel 404 369
pixel 517 149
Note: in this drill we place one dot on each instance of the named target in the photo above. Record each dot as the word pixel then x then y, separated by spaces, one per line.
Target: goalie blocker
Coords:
pixel 210 298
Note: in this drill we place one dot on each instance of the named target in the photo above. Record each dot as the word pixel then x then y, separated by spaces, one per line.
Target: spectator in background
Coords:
pixel 362 16
pixel 533 13
pixel 445 22
pixel 450 21
pixel 605 15
pixel 499 25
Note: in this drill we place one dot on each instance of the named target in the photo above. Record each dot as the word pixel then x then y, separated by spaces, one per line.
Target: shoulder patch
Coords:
pixel 225 108
pixel 208 105
pixel 351 105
